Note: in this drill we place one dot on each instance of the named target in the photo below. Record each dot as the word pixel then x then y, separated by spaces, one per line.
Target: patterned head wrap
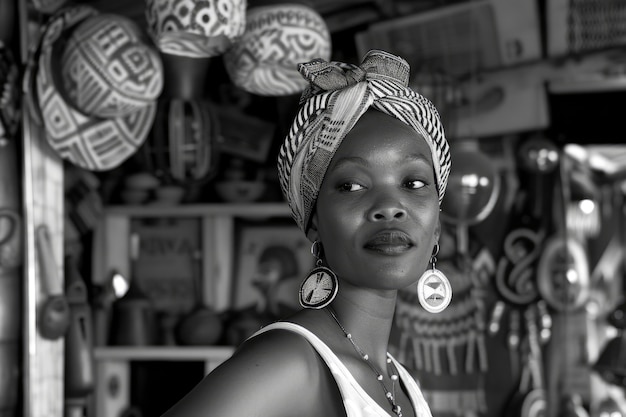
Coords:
pixel 337 96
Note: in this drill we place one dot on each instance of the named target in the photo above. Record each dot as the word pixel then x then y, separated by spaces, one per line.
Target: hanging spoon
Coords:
pixel 54 315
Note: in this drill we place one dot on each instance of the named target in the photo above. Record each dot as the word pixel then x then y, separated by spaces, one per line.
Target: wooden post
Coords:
pixel 42 195
pixel 43 205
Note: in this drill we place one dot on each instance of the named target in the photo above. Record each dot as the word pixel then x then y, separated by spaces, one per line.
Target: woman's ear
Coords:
pixel 437 232
pixel 312 233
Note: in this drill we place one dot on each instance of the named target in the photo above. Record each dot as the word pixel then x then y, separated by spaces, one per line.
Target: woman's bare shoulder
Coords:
pixel 276 373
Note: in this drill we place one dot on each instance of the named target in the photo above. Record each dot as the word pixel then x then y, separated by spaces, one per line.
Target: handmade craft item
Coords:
pixel 434 292
pixel 277 38
pixel 197 29
pixel 473 190
pixel 320 286
pixel 448 349
pixel 182 146
pixel 531 399
pixel 94 85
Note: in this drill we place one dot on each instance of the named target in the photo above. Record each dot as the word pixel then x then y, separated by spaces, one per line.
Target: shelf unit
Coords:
pixel 111 253
pixel 218 227
pixel 113 368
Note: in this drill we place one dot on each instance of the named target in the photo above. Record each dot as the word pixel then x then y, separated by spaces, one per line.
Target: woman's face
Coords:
pixel 377 213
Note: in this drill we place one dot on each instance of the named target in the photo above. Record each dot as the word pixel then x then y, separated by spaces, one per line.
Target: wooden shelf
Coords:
pixel 217 227
pixel 113 369
pixel 164 353
pixel 236 210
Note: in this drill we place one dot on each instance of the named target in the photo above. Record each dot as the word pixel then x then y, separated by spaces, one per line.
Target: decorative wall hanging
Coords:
pixel 276 39
pixel 197 29
pixel 95 97
pixel 563 274
pixel 447 351
pixel 516 285
pixel 516 273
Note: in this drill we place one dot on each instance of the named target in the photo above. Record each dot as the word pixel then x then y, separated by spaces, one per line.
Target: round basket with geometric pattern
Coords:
pixel 193 28
pixel 95 84
pixel 277 38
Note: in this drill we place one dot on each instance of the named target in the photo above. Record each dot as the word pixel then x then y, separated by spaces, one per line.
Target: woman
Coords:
pixel 363 168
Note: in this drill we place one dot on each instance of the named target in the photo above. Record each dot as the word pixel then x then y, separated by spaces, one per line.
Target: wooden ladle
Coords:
pixel 54 315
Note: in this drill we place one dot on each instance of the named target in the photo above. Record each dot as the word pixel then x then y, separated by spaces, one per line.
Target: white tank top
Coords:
pixel 356 401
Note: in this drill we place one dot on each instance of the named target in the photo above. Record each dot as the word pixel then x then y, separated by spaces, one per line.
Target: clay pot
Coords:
pixel 201 327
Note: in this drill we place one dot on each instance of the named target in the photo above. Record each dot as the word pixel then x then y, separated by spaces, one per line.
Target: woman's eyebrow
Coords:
pixel 350 160
pixel 417 157
pixel 356 160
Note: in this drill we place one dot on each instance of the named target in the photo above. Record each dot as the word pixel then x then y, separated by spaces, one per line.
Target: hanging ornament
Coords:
pixel 96 99
pixel 181 148
pixel 473 189
pixel 563 274
pixel 277 38
pixel 196 29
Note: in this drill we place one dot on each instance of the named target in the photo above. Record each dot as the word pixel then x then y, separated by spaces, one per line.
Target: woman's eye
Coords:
pixel 415 184
pixel 350 186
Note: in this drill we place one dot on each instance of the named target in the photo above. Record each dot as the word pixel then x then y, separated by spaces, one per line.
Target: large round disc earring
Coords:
pixel 434 291
pixel 320 287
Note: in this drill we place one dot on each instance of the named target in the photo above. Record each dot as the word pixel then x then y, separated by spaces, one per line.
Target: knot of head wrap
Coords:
pixel 324 76
pixel 337 95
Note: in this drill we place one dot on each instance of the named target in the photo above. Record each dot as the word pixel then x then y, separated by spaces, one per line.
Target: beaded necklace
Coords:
pixel 390 395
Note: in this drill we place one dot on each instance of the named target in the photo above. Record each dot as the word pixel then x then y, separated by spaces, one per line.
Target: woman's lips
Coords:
pixel 391 242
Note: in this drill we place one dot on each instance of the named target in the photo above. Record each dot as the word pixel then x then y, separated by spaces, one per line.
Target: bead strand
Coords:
pixel 390 395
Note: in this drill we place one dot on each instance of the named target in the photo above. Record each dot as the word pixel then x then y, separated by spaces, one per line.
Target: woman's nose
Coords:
pixel 387 210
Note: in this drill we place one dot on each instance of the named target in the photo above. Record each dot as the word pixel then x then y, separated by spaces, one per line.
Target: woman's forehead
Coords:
pixel 376 131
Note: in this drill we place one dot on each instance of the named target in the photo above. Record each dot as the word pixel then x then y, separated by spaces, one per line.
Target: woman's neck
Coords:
pixel 368 316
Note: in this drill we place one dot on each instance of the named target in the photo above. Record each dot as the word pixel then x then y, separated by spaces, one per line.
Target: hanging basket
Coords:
pixel 196 29
pixel 277 38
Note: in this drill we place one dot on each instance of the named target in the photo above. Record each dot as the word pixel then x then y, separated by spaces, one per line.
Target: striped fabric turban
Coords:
pixel 338 94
